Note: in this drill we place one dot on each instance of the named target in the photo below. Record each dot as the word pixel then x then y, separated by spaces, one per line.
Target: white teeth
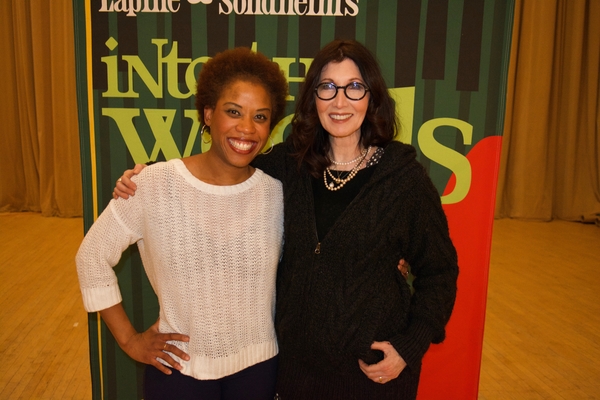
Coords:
pixel 241 145
pixel 340 117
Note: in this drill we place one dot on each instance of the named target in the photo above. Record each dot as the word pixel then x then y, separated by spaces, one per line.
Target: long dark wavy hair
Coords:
pixel 380 126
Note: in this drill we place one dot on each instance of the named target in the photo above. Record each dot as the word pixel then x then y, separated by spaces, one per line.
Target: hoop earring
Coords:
pixel 271 148
pixel 203 130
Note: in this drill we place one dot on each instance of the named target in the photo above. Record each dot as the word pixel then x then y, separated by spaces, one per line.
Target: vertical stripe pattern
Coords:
pixel 454 53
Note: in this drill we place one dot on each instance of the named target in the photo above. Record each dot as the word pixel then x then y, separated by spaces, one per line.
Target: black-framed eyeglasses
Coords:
pixel 353 91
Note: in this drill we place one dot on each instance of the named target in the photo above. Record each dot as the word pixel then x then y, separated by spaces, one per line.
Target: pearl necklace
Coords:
pixel 342 182
pixel 362 153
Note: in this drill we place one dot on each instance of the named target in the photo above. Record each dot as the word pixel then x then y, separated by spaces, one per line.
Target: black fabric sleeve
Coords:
pixel 434 263
pixel 272 163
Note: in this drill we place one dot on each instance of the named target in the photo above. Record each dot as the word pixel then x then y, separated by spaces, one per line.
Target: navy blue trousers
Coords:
pixel 253 383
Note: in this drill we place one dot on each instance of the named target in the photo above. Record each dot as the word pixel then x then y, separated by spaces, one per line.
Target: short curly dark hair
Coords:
pixel 236 64
pixel 380 125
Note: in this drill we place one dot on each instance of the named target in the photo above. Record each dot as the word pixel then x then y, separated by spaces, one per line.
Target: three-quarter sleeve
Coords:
pixel 101 250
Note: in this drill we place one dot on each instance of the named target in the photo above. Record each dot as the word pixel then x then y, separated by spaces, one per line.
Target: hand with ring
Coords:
pixel 124 186
pixel 387 369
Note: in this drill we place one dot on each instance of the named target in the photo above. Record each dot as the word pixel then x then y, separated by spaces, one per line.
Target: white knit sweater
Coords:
pixel 210 253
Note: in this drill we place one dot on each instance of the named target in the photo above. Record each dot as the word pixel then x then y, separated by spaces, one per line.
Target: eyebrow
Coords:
pixel 330 80
pixel 231 103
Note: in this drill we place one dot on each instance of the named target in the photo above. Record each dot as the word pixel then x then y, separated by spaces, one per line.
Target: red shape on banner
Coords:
pixel 451 369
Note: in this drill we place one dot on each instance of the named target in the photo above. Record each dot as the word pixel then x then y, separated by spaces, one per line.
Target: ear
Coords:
pixel 208 113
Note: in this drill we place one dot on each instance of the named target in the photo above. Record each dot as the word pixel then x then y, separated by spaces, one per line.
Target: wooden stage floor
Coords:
pixel 542 335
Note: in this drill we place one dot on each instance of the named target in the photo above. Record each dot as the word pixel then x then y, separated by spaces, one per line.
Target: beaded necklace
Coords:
pixel 337 182
pixel 349 162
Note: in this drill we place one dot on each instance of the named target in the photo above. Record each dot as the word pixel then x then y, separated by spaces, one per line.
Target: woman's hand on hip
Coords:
pixel 387 369
pixel 147 347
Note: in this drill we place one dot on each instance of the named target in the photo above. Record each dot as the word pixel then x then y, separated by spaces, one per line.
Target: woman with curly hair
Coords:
pixel 209 229
pixel 348 323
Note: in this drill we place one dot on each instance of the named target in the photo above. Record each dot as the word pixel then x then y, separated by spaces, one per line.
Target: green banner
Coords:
pixel 445 63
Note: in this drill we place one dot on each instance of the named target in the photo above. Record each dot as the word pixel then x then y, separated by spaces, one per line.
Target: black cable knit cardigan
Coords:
pixel 333 303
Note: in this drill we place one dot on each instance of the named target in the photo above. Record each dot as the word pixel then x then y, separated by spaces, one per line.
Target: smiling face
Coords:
pixel 239 124
pixel 340 116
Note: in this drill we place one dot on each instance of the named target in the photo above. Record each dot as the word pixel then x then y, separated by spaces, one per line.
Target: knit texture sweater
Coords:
pixel 210 253
pixel 334 302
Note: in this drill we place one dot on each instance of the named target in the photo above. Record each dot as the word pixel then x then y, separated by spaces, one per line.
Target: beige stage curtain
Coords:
pixel 39 166
pixel 550 162
pixel 550 158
